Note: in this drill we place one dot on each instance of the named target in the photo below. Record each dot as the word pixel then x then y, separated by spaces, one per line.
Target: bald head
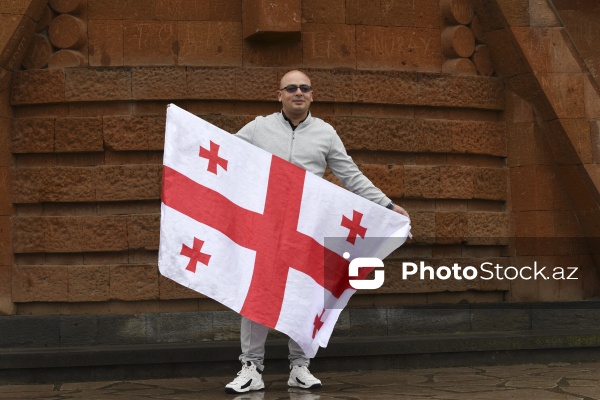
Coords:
pixel 292 76
pixel 295 103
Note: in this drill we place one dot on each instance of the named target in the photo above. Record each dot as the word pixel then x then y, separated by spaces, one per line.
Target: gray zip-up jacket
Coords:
pixel 313 145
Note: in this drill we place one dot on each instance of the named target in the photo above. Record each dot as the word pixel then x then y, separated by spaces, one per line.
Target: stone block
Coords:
pixel 97 84
pixel 460 91
pixel 384 87
pixel 257 84
pixel 15 39
pixel 329 46
pixel 428 320
pixel 320 12
pixel 459 66
pixel 480 138
pixel 183 10
pixel 129 182
pixel 40 284
pixel 226 325
pixel 209 43
pixel 89 283
pixel 457 12
pixel 150 83
pixel 67 59
pixel 143 231
pixel 133 282
pixel 547 50
pixel 228 123
pixel 150 42
pixel 542 15
pixel 29 8
pixel 450 225
pixel 67 32
pixel 226 10
pixel 38 54
pixel 390 48
pixel 190 327
pixel 368 322
pixel 422 181
pixel 490 183
pixel 516 12
pixel 386 13
pixel 565 94
pixel 211 83
pixel 62 234
pixel 32 135
pixel 105 41
pixel 123 133
pixel 592 98
pixel 29 331
pixel 34 185
pixel 389 181
pixel 119 9
pixel 78 330
pixel 121 329
pixel 505 53
pixel 171 290
pixel 6 235
pixel 100 233
pixel 272 54
pixel 78 135
pixel 27 234
pixel 526 145
pixel 491 319
pixel 489 225
pixel 456 182
pixel 38 86
pixel 271 19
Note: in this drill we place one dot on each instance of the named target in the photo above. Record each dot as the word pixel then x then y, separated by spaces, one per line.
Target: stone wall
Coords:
pixel 410 86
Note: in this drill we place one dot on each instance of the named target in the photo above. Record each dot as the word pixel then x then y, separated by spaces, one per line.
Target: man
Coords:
pixel 295 135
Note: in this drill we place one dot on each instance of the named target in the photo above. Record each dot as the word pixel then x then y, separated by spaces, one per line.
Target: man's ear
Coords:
pixel 279 96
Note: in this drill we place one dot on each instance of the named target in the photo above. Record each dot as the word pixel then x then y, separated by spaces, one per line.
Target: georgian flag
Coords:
pixel 262 236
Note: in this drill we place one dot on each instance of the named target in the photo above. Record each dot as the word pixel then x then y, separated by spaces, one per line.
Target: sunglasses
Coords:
pixel 293 88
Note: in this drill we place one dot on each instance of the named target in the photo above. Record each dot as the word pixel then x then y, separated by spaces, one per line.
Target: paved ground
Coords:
pixel 516 382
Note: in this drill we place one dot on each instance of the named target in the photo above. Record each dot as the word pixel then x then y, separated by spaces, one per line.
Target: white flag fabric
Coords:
pixel 262 236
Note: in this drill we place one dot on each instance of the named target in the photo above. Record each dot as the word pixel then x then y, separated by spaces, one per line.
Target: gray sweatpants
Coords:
pixel 253 337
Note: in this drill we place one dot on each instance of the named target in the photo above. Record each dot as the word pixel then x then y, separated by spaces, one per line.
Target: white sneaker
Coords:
pixel 249 378
pixel 301 377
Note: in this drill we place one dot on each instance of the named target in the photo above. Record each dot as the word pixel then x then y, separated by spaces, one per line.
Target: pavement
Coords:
pixel 564 381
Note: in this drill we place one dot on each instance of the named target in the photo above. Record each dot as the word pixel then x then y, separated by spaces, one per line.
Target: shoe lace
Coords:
pixel 304 372
pixel 243 374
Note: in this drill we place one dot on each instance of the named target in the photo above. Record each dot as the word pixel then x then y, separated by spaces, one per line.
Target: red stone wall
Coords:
pixel 409 86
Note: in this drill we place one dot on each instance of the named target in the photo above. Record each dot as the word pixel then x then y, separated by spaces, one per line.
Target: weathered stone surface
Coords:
pixel 211 83
pixel 6 251
pixel 105 43
pixel 490 183
pixel 457 11
pixel 209 43
pixel 128 182
pixel 32 135
pixel 462 66
pixel 143 231
pixel 460 91
pixel 171 290
pixel 133 133
pixel 78 134
pixel 38 53
pixel 159 83
pixel 271 19
pixel 150 42
pixel 118 9
pixel 38 86
pixel 564 91
pixel 488 225
pixel 331 12
pixel 179 327
pixel 329 46
pixel 33 185
pixel 422 181
pixel 134 282
pixel 423 321
pixel 480 138
pixel 97 84
pixel 456 182
pixel 66 59
pixel 547 50
pixel 40 283
pixel 482 60
pixel 67 32
pixel 457 41
pixel 27 234
pixel 62 234
pixel 399 49
pixel 89 283
pixel 384 87
pixel 100 233
pixel 257 83
pixel 183 10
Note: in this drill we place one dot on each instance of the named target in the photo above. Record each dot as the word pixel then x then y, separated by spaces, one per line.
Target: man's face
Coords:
pixel 295 104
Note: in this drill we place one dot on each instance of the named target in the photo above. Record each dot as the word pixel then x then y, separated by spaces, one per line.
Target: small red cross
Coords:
pixel 354 226
pixel 318 323
pixel 195 255
pixel 213 157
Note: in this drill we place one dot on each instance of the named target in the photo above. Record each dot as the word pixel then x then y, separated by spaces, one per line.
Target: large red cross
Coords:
pixel 273 235
pixel 194 254
pixel 354 226
pixel 212 155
